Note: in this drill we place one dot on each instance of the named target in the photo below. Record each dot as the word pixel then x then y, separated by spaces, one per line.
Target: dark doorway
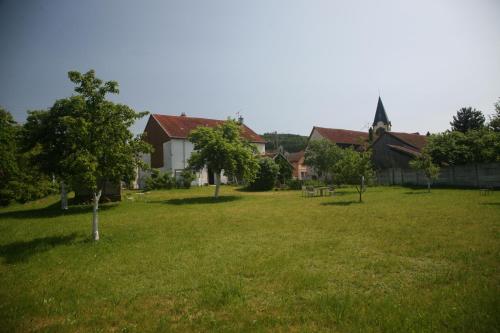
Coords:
pixel 211 180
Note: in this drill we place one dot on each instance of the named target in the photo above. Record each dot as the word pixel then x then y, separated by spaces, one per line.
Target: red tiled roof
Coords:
pixel 179 127
pixel 407 150
pixel 416 140
pixel 295 157
pixel 342 136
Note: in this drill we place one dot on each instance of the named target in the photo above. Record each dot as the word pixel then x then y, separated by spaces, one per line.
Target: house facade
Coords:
pixel 300 170
pixel 169 137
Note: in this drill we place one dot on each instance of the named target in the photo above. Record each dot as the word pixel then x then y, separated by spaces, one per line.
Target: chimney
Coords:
pixel 183 114
pixel 240 120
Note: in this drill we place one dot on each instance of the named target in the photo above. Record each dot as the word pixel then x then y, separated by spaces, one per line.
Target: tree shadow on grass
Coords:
pixel 416 192
pixel 23 250
pixel 340 203
pixel 201 200
pixel 490 203
pixel 52 211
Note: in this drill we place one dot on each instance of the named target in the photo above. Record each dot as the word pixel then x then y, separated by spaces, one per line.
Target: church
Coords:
pixel 389 149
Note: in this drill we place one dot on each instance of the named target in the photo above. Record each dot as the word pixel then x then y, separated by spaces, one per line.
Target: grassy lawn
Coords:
pixel 402 261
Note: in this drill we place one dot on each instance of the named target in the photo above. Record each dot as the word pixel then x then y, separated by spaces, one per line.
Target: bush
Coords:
pixel 187 177
pixel 159 181
pixel 266 176
pixel 166 181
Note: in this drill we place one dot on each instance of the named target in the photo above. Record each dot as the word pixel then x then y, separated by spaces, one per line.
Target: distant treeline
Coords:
pixel 291 142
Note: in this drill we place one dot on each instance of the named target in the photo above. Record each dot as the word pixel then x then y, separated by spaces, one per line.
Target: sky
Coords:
pixel 284 65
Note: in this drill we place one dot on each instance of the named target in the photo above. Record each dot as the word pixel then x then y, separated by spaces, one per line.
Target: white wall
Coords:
pixel 315 135
pixel 176 153
pixel 261 147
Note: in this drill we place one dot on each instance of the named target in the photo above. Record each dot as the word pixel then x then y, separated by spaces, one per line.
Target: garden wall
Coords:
pixel 470 175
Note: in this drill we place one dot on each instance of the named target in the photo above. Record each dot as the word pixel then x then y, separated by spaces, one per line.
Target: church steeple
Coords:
pixel 381 121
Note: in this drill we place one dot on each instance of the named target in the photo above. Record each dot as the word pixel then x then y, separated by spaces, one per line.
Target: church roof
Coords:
pixel 380 114
pixel 179 127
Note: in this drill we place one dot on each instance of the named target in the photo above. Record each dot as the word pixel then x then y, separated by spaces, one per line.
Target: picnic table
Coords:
pixel 313 191
pixel 323 190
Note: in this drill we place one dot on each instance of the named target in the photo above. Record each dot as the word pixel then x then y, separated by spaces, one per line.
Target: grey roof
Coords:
pixel 380 114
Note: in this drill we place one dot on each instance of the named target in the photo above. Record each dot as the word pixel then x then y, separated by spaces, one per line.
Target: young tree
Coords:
pixel 321 155
pixel 467 119
pixel 354 168
pixel 424 163
pixel 86 139
pixel 222 148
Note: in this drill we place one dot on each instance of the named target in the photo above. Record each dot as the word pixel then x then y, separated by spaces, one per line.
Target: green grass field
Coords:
pixel 402 261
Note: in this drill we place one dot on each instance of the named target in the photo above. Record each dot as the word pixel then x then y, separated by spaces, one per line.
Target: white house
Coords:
pixel 168 136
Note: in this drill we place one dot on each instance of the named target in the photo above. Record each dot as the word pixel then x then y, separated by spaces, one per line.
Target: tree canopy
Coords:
pixel 222 148
pixel 266 176
pixel 455 148
pixel 467 119
pixel 85 139
pixel 20 178
pixel 321 155
pixel 424 163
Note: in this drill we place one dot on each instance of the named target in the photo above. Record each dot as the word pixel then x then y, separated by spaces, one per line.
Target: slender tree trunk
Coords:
pixel 64 196
pixel 360 192
pixel 95 215
pixel 428 185
pixel 217 184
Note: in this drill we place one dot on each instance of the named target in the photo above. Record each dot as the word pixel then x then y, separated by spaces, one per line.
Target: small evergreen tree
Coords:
pixel 467 119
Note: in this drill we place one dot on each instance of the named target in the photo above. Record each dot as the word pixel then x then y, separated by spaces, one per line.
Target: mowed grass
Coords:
pixel 402 261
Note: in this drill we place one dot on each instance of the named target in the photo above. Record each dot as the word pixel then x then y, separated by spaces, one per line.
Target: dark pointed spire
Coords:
pixel 380 114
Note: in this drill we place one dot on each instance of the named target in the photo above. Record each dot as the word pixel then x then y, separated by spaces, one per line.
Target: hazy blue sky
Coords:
pixel 285 65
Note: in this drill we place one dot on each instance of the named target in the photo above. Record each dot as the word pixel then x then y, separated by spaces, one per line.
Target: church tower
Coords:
pixel 381 121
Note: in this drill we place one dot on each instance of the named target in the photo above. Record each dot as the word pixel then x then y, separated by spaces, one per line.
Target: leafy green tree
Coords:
pixel 8 156
pixel 266 176
pixel 424 163
pixel 494 124
pixel 321 155
pixel 285 169
pixel 20 178
pixel 467 119
pixel 354 168
pixel 456 148
pixel 49 129
pixel 86 139
pixel 222 148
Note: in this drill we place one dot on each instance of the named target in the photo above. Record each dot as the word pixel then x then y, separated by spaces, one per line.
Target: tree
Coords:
pixel 49 129
pixel 321 155
pixel 8 151
pixel 86 139
pixel 455 148
pixel 222 148
pixel 424 163
pixel 467 119
pixel 285 169
pixel 266 176
pixel 20 178
pixel 354 168
pixel 494 124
